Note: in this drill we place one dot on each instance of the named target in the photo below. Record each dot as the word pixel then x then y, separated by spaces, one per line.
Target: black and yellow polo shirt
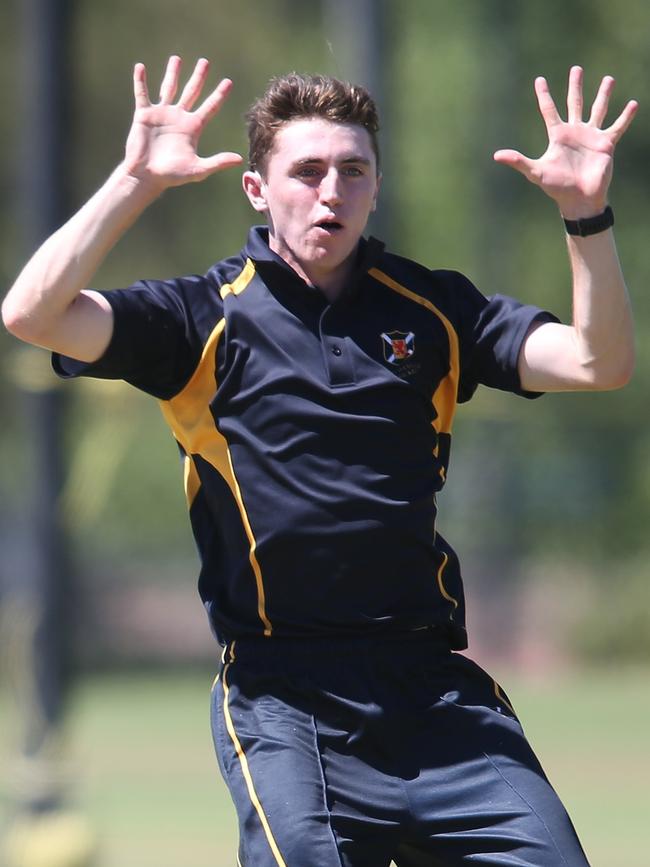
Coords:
pixel 316 436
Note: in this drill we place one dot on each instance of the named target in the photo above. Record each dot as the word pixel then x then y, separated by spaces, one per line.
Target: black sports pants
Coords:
pixel 355 752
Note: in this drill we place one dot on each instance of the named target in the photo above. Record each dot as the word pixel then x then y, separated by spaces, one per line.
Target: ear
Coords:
pixel 254 188
pixel 374 200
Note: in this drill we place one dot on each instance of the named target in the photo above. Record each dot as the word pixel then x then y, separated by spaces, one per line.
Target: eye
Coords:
pixel 307 172
pixel 353 171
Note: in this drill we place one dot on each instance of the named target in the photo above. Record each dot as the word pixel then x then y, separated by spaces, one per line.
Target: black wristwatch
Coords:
pixel 591 225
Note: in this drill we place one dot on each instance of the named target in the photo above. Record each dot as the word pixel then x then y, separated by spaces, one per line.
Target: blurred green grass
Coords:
pixel 147 778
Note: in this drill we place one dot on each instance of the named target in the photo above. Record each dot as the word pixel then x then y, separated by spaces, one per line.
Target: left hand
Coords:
pixel 576 168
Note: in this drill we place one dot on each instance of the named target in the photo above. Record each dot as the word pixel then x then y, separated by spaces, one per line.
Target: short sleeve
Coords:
pixel 492 342
pixel 154 345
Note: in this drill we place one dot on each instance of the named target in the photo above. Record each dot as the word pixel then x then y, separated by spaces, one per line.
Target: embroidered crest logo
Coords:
pixel 398 346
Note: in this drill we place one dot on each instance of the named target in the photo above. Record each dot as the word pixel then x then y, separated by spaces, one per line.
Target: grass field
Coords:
pixel 148 781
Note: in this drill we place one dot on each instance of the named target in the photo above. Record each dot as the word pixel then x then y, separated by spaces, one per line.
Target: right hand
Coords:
pixel 161 148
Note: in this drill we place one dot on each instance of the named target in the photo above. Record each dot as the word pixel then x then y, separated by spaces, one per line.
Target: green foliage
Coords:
pixel 616 627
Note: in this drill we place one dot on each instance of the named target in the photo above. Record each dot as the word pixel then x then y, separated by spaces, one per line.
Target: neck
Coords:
pixel 331 285
pixel 330 281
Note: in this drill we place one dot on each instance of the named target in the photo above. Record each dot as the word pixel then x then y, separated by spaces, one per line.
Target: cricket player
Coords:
pixel 311 382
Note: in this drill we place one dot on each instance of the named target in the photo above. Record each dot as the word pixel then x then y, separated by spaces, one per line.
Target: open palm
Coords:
pixel 162 145
pixel 576 168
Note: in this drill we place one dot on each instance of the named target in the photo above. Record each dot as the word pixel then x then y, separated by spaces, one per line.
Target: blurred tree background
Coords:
pixel 547 503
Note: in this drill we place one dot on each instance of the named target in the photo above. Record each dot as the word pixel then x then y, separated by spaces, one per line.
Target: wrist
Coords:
pixel 581 209
pixel 142 189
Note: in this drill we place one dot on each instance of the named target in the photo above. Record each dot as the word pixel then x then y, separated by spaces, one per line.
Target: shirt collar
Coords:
pixel 368 254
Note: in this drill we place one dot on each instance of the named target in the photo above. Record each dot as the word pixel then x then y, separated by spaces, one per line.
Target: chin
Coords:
pixel 327 261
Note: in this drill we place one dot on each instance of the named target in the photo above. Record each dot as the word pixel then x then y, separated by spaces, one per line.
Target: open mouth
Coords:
pixel 329 225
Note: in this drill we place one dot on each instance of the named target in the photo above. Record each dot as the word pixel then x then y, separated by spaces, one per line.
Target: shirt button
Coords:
pixel 336 350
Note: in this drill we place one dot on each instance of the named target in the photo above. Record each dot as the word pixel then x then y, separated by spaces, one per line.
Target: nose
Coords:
pixel 331 189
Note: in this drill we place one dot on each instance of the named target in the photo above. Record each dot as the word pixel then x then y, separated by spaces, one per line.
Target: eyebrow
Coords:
pixel 351 159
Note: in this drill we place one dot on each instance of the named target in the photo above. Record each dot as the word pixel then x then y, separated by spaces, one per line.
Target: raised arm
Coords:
pixel 597 350
pixel 49 304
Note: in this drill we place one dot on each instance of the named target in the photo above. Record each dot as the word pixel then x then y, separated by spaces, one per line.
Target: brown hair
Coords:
pixel 295 96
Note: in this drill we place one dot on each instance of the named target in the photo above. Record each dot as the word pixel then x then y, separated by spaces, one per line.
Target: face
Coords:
pixel 318 189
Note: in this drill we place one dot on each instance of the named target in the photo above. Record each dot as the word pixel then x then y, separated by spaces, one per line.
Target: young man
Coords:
pixel 311 383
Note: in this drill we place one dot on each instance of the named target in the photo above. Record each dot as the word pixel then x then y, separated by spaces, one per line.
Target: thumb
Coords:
pixel 207 166
pixel 516 161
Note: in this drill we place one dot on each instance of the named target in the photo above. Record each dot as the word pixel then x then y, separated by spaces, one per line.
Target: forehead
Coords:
pixel 320 139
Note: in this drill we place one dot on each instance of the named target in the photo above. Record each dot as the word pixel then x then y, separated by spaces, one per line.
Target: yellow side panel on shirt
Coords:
pixel 192 423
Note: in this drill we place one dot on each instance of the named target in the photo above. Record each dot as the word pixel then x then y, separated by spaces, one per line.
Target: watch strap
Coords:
pixel 590 225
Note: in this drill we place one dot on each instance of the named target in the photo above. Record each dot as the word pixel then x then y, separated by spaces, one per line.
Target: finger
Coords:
pixel 545 103
pixel 516 161
pixel 210 165
pixel 140 90
pixel 601 102
pixel 574 95
pixel 169 84
pixel 623 121
pixel 195 84
pixel 212 103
